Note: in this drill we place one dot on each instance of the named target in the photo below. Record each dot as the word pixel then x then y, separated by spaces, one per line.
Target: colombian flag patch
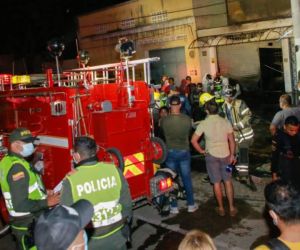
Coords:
pixel 18 176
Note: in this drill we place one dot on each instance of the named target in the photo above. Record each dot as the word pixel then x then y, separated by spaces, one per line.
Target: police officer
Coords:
pixel 104 185
pixel 21 184
pixel 285 161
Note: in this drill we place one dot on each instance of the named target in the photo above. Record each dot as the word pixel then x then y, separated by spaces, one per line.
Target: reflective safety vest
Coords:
pixel 101 185
pixel 163 100
pixel 239 115
pixel 35 189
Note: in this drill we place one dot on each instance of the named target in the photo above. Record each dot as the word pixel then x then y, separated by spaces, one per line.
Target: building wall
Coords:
pixel 152 25
pixel 210 13
pixel 231 32
pixel 242 62
pixel 166 24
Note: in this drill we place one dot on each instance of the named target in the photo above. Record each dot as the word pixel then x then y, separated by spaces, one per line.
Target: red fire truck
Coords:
pixel 105 102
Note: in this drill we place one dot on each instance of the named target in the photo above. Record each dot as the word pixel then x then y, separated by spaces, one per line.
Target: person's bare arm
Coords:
pixel 272 129
pixel 195 143
pixel 231 142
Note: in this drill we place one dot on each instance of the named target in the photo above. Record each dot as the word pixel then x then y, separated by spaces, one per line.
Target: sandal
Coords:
pixel 220 212
pixel 233 212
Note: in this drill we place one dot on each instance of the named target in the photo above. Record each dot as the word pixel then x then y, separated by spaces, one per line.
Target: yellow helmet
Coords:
pixel 156 96
pixel 205 97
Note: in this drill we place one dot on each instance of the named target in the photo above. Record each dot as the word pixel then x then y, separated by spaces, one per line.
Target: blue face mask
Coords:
pixel 28 149
pixel 85 237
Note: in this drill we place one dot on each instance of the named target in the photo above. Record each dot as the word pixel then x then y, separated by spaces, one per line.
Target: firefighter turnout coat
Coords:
pixel 239 115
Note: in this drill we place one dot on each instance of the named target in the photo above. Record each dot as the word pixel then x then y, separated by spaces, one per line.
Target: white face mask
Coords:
pixel 28 149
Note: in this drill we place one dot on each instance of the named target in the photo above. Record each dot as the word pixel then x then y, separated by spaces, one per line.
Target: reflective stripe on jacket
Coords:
pixel 35 189
pixel 240 117
pixel 101 185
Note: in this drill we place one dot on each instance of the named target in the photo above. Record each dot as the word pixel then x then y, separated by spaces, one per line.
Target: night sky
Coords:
pixel 27 25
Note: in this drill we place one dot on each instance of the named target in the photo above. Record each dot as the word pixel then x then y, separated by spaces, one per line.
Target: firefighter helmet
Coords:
pixel 229 91
pixel 205 97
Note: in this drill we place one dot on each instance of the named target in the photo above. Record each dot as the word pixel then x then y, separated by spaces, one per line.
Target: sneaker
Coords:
pixel 192 208
pixel 174 210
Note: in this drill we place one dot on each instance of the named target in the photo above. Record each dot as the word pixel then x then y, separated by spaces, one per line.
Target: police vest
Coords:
pixel 163 100
pixel 35 189
pixel 101 185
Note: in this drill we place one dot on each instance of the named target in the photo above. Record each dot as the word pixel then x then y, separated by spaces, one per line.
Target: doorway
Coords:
pixel 271 67
pixel 172 63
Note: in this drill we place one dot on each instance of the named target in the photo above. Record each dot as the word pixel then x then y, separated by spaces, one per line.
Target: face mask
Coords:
pixel 28 149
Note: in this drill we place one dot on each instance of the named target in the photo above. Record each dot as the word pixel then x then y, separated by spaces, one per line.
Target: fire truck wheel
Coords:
pixel 117 157
pixel 159 150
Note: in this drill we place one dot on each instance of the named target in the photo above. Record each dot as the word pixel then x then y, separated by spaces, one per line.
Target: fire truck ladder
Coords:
pixel 101 73
pixel 78 117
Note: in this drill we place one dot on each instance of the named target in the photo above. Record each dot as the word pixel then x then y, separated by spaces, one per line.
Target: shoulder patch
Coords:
pixel 18 176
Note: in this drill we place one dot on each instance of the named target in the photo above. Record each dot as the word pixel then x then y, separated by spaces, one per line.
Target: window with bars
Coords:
pixel 127 24
pixel 159 16
pixel 102 28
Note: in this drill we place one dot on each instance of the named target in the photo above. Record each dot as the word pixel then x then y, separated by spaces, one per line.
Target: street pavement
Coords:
pixel 153 232
pixel 245 231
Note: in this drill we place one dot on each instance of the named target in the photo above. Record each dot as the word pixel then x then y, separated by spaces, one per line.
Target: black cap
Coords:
pixel 175 100
pixel 21 134
pixel 58 227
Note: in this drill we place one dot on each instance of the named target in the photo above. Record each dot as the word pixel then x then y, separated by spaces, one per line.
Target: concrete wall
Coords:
pixel 210 13
pixel 152 25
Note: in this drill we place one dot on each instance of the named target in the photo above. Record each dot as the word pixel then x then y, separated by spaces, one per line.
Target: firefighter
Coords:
pixel 238 113
pixel 104 185
pixel 23 190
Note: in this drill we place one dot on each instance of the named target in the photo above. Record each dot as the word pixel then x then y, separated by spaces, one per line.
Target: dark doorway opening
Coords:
pixel 172 63
pixel 271 66
pixel 272 78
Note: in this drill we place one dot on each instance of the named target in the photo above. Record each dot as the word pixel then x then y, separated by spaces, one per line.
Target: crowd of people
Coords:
pixel 76 219
pixel 223 121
